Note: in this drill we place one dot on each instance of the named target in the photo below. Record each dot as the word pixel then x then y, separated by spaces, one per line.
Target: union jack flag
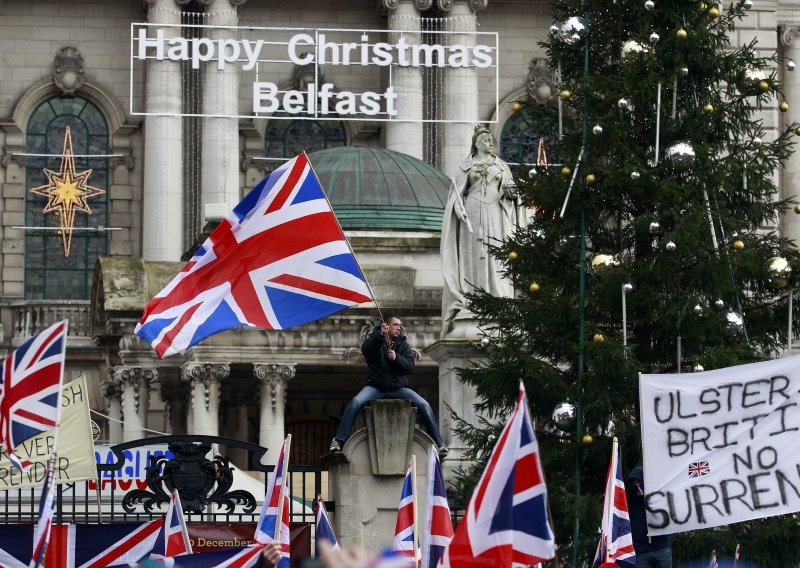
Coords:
pixel 80 546
pixel 43 528
pixel 173 538
pixel 268 520
pixel 438 524
pixel 29 389
pixel 239 557
pixel 699 469
pixel 279 260
pixel 405 539
pixel 506 521
pixel 616 540
pixel 324 529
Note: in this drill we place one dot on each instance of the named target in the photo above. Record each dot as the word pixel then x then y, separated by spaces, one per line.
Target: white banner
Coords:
pixel 721 446
pixel 75 452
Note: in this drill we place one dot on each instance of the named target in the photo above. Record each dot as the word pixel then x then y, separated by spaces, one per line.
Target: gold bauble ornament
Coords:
pixel 763 85
pixel 516 106
pixel 709 108
pixel 534 288
pixel 591 178
pixel 681 34
pixel 565 171
pixel 513 256
pixel 738 245
pixel 598 338
pixel 702 6
pixel 797 208
pixel 713 12
pixel 784 106
pixel 797 130
pixel 565 95
pixel 587 439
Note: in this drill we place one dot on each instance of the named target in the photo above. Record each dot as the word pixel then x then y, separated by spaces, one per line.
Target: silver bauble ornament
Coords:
pixel 627 287
pixel 597 130
pixel 654 37
pixel 756 141
pixel 635 176
pixel 632 49
pixel 790 65
pixel 698 309
pixel 485 342
pixel 649 5
pixel 554 29
pixel 655 228
pixel 684 71
pixel 734 322
pixel 671 246
pixel 680 155
pixel 778 271
pixel 623 103
pixel 572 30
pixel 533 172
pixel 564 415
pixel 601 262
pixel 698 368
pixel 719 304
pixel 748 4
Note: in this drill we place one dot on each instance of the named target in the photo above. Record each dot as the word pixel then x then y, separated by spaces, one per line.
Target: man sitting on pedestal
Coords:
pixel 389 359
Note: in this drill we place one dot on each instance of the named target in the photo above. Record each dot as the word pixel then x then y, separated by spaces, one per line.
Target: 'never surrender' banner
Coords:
pixel 721 446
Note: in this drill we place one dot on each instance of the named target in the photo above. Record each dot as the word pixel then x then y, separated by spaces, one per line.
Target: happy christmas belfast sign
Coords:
pixel 333 64
pixel 721 446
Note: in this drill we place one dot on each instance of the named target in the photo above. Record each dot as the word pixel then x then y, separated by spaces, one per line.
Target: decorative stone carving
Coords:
pixel 304 75
pixel 135 377
pixel 125 161
pixel 540 82
pixel 390 426
pixel 475 5
pixel 420 5
pixel 789 35
pixel 110 389
pixel 68 73
pixel 205 373
pixel 273 375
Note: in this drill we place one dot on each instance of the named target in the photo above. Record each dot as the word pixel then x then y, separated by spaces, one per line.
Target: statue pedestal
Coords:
pixel 458 350
pixel 365 479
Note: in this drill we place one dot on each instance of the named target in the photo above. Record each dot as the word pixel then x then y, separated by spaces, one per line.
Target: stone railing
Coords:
pixel 31 317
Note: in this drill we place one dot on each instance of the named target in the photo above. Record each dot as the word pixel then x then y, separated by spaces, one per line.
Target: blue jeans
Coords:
pixel 660 558
pixel 369 393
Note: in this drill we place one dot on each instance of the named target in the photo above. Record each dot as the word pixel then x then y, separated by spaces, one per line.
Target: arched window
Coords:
pixel 49 273
pixel 287 138
pixel 519 139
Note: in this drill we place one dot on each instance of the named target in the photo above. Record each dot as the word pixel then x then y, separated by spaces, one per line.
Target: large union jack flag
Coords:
pixel 616 540
pixel 506 522
pixel 29 389
pixel 279 260
pixel 405 540
pixel 80 546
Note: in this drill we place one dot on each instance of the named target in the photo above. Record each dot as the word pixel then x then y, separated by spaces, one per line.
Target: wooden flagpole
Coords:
pixel 414 504
pixel 284 481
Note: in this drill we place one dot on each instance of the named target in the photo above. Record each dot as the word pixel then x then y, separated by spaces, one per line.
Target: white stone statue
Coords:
pixel 483 208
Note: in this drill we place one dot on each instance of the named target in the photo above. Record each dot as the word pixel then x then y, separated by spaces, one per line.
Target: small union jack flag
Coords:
pixel 699 469
pixel 438 524
pixel 277 490
pixel 405 540
pixel 30 384
pixel 616 540
pixel 278 260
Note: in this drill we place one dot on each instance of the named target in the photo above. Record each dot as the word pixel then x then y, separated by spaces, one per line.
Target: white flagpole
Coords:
pixel 414 505
pixel 608 505
pixel 284 481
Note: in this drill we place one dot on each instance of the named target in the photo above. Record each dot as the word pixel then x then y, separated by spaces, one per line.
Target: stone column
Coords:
pixel 204 380
pixel 790 186
pixel 460 101
pixel 134 384
pixel 404 21
pixel 220 165
pixel 112 392
pixel 162 229
pixel 273 378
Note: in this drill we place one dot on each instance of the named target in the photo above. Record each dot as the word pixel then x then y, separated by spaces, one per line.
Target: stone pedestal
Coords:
pixel 458 350
pixel 365 504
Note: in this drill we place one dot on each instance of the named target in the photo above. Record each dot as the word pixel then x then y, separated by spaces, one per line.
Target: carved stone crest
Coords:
pixel 68 73
pixel 540 83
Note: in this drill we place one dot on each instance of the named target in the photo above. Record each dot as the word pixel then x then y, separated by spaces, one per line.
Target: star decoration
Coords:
pixel 67 191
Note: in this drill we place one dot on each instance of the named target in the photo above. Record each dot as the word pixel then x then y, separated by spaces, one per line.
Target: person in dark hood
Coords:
pixel 389 359
pixel 651 551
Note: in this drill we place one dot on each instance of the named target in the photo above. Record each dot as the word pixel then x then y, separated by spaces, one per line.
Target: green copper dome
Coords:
pixel 373 188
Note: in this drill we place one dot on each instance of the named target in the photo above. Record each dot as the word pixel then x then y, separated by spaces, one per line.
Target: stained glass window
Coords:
pixel 519 139
pixel 49 274
pixel 286 138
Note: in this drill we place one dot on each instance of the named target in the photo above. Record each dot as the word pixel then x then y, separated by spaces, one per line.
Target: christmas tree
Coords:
pixel 663 201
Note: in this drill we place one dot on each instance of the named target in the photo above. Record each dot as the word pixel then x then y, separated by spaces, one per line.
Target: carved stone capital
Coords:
pixel 272 375
pixel 110 389
pixel 205 373
pixel 125 161
pixel 10 158
pixel 421 5
pixel 789 34
pixel 474 5
pixel 68 72
pixel 247 162
pixel 136 378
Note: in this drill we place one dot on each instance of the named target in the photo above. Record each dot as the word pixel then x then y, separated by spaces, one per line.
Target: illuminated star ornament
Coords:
pixel 66 192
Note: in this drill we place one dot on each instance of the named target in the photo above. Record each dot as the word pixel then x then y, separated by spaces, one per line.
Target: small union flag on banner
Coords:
pixel 699 469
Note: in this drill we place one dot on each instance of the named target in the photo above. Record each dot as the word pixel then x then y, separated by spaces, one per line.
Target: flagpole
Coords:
pixel 414 505
pixel 608 511
pixel 361 270
pixel 284 477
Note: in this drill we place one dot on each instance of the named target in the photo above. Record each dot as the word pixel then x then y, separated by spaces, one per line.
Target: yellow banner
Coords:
pixel 75 459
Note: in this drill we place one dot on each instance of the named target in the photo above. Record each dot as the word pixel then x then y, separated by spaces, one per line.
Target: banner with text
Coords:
pixel 721 446
pixel 75 454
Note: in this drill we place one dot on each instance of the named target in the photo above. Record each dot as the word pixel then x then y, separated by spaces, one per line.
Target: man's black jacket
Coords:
pixel 384 374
